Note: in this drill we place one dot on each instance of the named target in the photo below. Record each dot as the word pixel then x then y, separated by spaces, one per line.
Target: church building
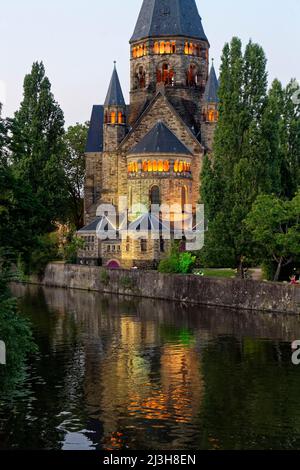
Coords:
pixel 151 150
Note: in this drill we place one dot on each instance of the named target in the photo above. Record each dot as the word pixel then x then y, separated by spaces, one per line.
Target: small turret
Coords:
pixel 210 109
pixel 115 118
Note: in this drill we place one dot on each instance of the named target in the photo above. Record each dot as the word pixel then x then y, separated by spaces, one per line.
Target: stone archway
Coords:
pixel 113 264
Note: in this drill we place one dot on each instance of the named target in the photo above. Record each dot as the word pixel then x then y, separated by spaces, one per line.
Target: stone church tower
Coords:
pixel 152 150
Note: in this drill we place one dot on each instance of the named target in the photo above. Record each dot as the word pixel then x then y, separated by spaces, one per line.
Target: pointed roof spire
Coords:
pixel 212 87
pixel 114 95
pixel 168 18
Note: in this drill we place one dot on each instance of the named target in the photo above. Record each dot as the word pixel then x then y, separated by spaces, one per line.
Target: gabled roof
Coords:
pixel 114 95
pixel 168 18
pixel 148 222
pixel 212 87
pixel 95 135
pixel 160 140
pixel 92 226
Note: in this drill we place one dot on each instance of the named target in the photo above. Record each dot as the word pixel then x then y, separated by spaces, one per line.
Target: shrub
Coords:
pixel 177 262
pixel 104 277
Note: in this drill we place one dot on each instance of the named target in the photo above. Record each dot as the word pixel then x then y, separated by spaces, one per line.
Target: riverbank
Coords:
pixel 189 289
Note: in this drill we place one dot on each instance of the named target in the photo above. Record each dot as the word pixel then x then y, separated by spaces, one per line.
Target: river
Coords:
pixel 119 373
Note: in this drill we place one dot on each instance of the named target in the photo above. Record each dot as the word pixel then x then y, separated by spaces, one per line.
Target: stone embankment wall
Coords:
pixel 233 293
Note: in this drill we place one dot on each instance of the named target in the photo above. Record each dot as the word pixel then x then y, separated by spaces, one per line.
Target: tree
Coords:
pixel 37 149
pixel 74 167
pixel 232 178
pixel 290 140
pixel 274 225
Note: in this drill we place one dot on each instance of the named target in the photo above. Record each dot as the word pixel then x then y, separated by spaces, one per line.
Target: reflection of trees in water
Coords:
pixel 16 333
pixel 145 374
pixel 251 399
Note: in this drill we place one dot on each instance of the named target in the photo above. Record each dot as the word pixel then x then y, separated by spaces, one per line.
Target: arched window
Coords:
pixel 113 117
pixel 165 75
pixel 162 47
pixel 105 117
pixel 184 197
pixel 140 77
pixel 143 245
pixel 156 48
pixel 120 118
pixel 155 195
pixel 192 75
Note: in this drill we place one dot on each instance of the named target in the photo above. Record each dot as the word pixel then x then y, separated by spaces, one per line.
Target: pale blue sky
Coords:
pixel 79 39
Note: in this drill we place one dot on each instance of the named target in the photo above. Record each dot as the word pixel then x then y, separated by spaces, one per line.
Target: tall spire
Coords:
pixel 169 18
pixel 114 95
pixel 212 87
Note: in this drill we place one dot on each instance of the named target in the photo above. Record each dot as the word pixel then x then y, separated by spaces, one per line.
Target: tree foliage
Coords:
pixel 74 168
pixel 274 224
pixel 256 151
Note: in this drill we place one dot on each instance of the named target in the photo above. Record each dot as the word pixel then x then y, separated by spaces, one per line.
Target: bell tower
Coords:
pixel 169 53
pixel 115 118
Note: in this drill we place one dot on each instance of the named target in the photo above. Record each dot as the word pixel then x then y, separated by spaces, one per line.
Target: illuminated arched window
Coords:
pixel 176 166
pixel 154 165
pixel 191 48
pixel 166 166
pixel 113 117
pixel 156 48
pixel 120 117
pixel 186 48
pixel 155 195
pixel 162 47
pixel 134 54
pixel 168 48
pixel 160 166
pixel 145 166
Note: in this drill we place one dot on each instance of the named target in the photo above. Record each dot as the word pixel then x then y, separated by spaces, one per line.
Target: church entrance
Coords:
pixel 113 264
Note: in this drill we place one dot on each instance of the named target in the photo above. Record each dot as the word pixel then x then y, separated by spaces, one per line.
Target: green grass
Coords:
pixel 224 273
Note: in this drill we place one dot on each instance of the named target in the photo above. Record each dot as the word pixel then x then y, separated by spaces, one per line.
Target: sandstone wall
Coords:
pixel 251 295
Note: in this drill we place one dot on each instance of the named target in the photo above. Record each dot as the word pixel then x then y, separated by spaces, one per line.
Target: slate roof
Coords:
pixel 212 87
pixel 169 18
pixel 160 140
pixel 92 226
pixel 95 135
pixel 114 95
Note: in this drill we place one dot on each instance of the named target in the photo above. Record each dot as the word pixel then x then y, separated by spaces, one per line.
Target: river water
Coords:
pixel 118 373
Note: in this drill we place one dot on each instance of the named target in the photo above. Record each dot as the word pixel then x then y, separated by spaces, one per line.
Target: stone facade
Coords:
pixel 169 76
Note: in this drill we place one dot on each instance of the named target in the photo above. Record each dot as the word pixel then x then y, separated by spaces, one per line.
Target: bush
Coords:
pixel 104 277
pixel 177 262
pixel 71 248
